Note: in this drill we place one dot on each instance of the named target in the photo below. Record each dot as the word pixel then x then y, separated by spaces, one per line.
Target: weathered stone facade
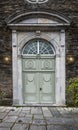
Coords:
pixel 9 9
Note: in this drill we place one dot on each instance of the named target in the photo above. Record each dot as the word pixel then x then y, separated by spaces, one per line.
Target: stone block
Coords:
pixel 6 125
pixel 35 127
pixel 4 128
pixel 20 127
pixel 38 117
pixel 24 120
pixel 36 110
pixel 39 122
pixel 61 127
pixel 46 112
pixel 55 127
pixel 54 121
pixel 2 115
pixel 10 118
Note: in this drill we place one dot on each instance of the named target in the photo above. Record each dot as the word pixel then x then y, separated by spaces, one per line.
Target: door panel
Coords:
pixel 30 64
pixel 30 87
pixel 46 98
pixel 46 83
pixel 30 83
pixel 47 64
pixel 47 87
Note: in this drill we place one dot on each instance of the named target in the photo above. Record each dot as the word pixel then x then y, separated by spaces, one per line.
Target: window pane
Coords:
pixel 45 48
pixel 32 47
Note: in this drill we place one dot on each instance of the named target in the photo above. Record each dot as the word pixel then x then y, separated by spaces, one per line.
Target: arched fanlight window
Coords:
pixel 38 46
pixel 36 1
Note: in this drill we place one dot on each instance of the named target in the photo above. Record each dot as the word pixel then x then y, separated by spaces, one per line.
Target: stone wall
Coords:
pixel 72 50
pixel 11 8
pixel 5 66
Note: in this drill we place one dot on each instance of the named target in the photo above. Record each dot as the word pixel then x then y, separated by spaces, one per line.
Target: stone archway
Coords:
pixel 49 30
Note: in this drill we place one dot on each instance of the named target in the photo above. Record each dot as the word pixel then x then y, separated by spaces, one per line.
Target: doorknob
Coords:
pixel 40 89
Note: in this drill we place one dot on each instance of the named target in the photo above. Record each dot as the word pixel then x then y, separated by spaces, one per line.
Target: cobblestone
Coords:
pixel 36 110
pixel 2 115
pixel 24 120
pixel 4 128
pixel 10 118
pixel 39 122
pixel 61 127
pixel 38 118
pixel 6 125
pixel 37 127
pixel 20 127
pixel 46 112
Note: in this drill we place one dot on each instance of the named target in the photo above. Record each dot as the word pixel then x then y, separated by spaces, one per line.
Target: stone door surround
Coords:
pixel 52 31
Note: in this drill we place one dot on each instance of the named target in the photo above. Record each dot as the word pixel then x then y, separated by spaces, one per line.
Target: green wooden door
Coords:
pixel 47 79
pixel 30 80
pixel 38 78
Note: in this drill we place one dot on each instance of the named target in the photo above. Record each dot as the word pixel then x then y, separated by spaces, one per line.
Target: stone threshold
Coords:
pixel 39 105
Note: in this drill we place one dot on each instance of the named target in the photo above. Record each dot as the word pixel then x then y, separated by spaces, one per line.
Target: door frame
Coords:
pixel 60 65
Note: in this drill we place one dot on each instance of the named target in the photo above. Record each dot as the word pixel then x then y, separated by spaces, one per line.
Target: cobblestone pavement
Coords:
pixel 38 118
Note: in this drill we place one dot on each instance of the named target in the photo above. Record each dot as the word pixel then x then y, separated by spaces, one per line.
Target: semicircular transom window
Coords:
pixel 38 46
pixel 37 1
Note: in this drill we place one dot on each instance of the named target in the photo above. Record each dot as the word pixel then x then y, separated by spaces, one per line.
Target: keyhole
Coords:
pixel 40 89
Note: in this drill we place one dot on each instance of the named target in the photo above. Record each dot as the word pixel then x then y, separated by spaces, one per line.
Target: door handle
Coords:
pixel 40 89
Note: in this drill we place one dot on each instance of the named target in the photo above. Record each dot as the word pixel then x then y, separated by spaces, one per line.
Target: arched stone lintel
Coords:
pixel 27 15
pixel 43 36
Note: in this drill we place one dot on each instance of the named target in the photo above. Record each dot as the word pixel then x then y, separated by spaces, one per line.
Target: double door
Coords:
pixel 38 79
